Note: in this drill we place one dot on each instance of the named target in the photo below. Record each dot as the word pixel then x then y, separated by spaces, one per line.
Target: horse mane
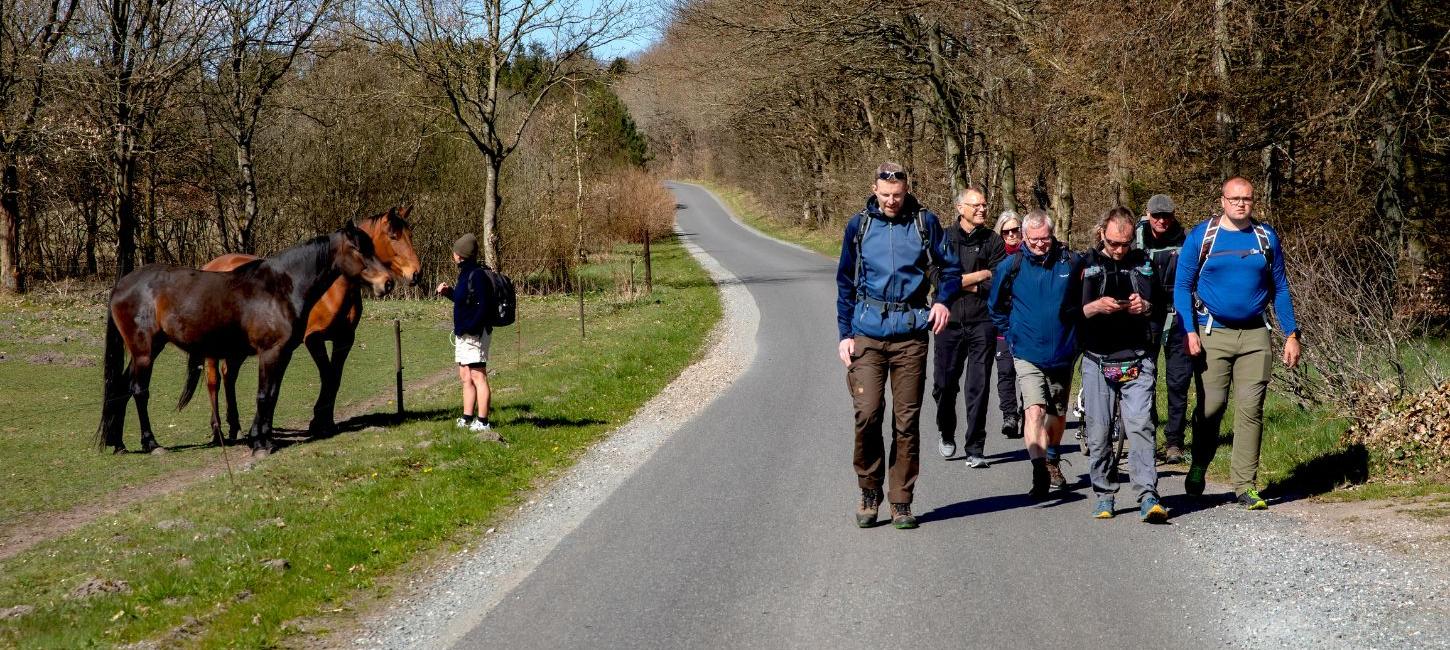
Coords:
pixel 386 214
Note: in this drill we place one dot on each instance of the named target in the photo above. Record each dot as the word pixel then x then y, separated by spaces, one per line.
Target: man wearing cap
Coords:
pixel 1161 237
pixel 471 333
pixel 884 307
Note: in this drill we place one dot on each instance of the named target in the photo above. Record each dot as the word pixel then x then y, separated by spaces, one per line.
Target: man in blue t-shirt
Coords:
pixel 1222 301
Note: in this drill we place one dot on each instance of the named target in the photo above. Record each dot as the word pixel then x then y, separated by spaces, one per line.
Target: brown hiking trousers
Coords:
pixel 903 362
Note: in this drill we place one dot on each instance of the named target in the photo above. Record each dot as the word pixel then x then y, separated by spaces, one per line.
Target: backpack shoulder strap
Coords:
pixel 1004 295
pixel 925 237
pixel 861 229
pixel 1209 234
pixel 1262 234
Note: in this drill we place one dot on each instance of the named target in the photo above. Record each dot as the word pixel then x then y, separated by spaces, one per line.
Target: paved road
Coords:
pixel 738 532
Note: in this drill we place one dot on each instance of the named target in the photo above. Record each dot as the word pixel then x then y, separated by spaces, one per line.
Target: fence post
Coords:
pixel 398 360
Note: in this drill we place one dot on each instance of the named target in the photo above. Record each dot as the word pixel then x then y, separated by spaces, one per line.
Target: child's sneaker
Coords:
pixel 461 423
pixel 480 426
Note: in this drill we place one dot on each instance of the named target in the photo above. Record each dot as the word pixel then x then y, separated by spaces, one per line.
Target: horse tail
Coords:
pixel 194 364
pixel 116 390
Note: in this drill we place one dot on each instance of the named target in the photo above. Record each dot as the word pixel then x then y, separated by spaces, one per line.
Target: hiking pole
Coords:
pixel 398 361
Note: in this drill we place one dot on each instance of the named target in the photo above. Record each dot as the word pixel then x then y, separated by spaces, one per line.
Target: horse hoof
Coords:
pixel 261 452
pixel 119 449
pixel 157 451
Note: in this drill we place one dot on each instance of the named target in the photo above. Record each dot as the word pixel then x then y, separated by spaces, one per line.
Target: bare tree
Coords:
pixel 30 33
pixel 259 43
pixel 469 51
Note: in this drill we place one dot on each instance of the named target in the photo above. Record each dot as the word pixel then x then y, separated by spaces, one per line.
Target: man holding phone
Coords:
pixel 1116 334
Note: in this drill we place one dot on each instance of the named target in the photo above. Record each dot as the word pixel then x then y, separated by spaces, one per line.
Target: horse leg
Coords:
pixel 229 381
pixel 271 366
pixel 141 392
pixel 213 380
pixel 323 423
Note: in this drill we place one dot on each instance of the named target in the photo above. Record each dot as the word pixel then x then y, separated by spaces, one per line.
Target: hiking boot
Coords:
pixel 1104 509
pixel 1039 479
pixel 901 516
pixel 947 447
pixel 1151 511
pixel 1196 481
pixel 1251 500
pixel 461 423
pixel 1011 428
pixel 1172 454
pixel 870 505
pixel 1054 475
pixel 976 461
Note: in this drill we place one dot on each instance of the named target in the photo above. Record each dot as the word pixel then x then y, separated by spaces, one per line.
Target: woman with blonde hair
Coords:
pixel 1009 226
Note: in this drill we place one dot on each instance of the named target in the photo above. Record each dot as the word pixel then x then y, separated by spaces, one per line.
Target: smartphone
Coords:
pixel 1122 302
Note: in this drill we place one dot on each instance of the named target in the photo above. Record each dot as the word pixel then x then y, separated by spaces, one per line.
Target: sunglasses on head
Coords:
pixel 891 176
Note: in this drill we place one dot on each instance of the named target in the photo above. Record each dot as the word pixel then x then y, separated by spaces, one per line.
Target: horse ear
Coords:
pixel 405 211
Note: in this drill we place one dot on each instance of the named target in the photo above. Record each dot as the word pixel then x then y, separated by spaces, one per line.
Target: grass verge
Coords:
pixel 257 559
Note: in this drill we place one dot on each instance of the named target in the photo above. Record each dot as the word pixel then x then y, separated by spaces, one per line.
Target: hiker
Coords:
pixel 884 307
pixel 1231 270
pixel 1116 334
pixel 1009 227
pixel 968 342
pixel 471 333
pixel 1031 303
pixel 1160 236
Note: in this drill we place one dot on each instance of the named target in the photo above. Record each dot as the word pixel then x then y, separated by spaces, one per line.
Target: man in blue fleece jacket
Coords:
pixel 1227 295
pixel 884 307
pixel 1032 302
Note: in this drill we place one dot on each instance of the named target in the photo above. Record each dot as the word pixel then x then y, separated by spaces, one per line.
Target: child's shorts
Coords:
pixel 470 349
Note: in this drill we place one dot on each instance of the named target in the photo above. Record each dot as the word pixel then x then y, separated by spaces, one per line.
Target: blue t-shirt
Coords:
pixel 1232 283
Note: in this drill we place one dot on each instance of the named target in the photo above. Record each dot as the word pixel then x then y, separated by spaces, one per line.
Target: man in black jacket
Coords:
pixel 1116 290
pixel 1161 237
pixel 969 341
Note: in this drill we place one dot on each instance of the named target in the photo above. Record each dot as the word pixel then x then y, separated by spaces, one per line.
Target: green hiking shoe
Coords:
pixel 901 516
pixel 1251 500
pixel 1196 481
pixel 1104 508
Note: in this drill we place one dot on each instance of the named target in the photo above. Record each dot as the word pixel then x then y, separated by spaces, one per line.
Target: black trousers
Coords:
pixel 1177 372
pixel 963 364
pixel 1007 384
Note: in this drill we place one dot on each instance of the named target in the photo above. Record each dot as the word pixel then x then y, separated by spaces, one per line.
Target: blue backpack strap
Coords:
pixel 1262 234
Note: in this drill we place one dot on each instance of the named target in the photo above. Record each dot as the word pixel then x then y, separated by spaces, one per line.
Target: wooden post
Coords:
pixel 398 360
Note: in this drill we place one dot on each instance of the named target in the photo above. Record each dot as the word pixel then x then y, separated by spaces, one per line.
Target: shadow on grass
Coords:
pixel 1322 474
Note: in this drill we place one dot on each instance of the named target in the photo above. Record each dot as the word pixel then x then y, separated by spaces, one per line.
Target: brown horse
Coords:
pixel 260 308
pixel 334 318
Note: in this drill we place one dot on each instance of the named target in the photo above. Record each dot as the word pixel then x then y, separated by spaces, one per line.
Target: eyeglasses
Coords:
pixel 1012 232
pixel 1239 200
pixel 1160 215
pixel 975 206
pixel 1040 240
pixel 1117 244
pixel 891 176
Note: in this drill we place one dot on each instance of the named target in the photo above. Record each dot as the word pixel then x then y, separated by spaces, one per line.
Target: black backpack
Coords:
pixel 501 301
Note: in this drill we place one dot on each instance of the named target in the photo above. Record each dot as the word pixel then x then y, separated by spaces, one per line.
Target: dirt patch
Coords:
pixel 15 612
pixel 99 587
pixel 59 359
pixel 1414 527
pixel 28 531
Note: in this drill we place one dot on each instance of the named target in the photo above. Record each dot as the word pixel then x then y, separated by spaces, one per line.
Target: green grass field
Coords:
pixel 276 554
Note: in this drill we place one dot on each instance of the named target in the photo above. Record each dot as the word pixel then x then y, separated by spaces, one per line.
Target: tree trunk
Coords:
pixel 1224 116
pixel 1063 206
pixel 247 229
pixel 949 117
pixel 10 228
pixel 491 201
pixel 1007 177
pixel 1391 200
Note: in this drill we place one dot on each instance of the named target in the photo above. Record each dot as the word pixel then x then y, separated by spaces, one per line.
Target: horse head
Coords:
pixel 392 237
pixel 354 255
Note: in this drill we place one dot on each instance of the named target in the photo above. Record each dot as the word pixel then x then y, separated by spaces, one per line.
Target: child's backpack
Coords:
pixel 502 302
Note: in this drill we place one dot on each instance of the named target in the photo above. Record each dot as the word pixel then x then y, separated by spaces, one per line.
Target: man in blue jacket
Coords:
pixel 1032 302
pixel 884 308
pixel 1230 269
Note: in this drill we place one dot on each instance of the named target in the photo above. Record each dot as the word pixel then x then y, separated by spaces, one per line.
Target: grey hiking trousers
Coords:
pixel 1136 411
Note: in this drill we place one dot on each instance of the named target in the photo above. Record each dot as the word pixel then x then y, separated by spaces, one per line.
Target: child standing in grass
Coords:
pixel 471 333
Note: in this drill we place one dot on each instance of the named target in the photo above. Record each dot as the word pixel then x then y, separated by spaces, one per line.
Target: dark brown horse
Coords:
pixel 334 318
pixel 260 309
